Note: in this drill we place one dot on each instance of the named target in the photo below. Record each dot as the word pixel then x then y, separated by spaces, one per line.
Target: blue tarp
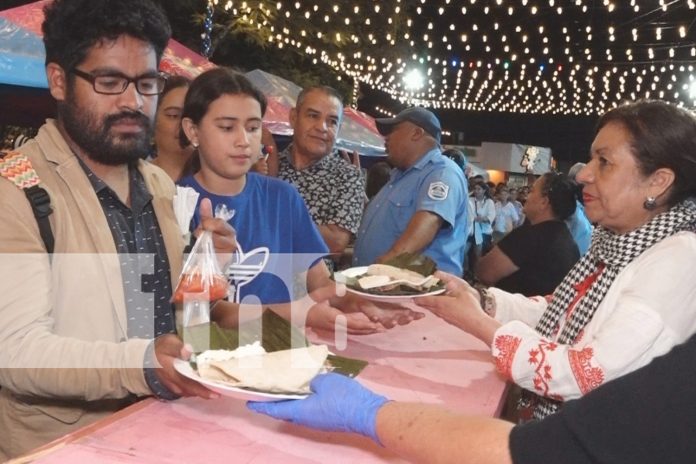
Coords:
pixel 21 56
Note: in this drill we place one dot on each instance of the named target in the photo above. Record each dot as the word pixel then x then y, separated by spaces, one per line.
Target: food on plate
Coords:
pixel 252 349
pixel 215 284
pixel 250 366
pixel 408 274
pixel 380 275
pixel 372 281
pixel 382 279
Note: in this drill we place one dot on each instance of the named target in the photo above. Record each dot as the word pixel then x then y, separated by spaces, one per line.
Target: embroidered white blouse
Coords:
pixel 650 307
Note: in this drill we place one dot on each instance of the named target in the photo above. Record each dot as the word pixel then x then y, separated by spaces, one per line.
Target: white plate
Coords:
pixel 356 271
pixel 185 369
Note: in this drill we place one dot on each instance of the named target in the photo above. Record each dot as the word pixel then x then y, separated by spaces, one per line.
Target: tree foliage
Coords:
pixel 241 36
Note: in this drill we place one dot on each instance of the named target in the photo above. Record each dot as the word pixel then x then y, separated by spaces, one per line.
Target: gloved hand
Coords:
pixel 338 404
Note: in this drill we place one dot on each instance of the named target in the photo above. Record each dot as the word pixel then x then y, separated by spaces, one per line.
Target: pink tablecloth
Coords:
pixel 427 361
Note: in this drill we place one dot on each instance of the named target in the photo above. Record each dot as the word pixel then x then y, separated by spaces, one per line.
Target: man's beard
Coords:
pixel 96 140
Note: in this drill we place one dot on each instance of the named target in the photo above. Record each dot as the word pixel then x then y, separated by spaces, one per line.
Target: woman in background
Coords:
pixel 534 258
pixel 506 216
pixel 482 210
pixel 170 155
pixel 518 206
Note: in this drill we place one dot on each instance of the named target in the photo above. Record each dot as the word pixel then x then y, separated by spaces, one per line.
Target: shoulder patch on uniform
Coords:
pixel 438 191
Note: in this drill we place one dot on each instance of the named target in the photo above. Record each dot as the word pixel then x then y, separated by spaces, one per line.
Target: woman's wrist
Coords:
pixel 485 329
pixel 487 300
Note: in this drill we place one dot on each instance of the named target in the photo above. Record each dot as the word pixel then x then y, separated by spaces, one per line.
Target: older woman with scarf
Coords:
pixel 632 297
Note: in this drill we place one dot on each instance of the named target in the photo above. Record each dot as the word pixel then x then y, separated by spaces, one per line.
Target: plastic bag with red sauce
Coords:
pixel 201 277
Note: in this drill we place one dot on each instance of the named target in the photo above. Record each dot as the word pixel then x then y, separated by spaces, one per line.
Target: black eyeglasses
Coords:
pixel 117 84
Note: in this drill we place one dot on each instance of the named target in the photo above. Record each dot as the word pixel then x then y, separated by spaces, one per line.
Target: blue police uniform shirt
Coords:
pixel 436 184
pixel 275 233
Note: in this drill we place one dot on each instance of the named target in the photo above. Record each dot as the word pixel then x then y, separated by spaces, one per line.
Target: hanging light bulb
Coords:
pixel 414 80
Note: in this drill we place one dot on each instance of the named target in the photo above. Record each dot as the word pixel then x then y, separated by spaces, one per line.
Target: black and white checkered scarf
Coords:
pixel 615 252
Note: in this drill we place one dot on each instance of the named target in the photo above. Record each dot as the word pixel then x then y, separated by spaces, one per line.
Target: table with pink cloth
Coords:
pixel 427 361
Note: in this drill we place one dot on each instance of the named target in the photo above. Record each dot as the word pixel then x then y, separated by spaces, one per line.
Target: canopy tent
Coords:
pixel 281 95
pixel 358 130
pixel 22 54
pixel 23 85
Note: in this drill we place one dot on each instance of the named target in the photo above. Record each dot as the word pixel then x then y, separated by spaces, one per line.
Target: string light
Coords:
pixel 573 57
pixel 208 28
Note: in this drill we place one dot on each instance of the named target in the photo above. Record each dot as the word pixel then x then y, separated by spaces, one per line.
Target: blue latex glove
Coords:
pixel 339 404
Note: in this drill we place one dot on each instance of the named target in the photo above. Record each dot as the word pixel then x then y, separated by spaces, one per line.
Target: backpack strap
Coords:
pixel 17 168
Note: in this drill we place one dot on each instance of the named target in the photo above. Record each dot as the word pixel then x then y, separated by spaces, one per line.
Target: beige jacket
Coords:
pixel 65 359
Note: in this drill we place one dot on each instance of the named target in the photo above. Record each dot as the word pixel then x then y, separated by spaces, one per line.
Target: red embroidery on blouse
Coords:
pixel 587 377
pixel 582 288
pixel 544 375
pixel 548 298
pixel 507 346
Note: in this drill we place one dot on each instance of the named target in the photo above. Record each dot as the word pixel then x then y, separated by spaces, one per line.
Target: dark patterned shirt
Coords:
pixel 333 190
pixel 143 257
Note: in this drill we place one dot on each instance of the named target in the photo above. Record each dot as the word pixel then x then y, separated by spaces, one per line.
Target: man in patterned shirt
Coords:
pixel 332 188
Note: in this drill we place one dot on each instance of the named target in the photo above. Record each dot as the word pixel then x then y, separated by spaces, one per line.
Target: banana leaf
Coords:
pixel 415 262
pixel 276 334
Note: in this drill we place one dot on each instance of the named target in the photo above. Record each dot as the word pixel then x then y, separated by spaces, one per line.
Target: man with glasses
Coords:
pixel 83 329
pixel 116 84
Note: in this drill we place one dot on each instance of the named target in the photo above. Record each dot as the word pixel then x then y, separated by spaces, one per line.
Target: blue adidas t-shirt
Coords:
pixel 276 235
